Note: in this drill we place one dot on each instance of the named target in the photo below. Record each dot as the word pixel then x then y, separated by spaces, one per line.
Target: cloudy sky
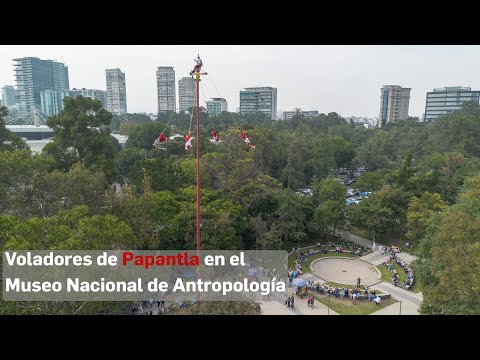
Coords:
pixel 343 78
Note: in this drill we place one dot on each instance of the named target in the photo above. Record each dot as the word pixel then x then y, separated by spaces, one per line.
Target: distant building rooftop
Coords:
pixel 453 88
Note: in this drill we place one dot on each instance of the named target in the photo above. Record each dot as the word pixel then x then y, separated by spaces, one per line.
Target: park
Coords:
pixel 332 278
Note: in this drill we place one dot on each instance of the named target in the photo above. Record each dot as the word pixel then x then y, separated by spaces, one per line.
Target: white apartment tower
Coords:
pixel 166 88
pixel 394 101
pixel 186 94
pixel 116 91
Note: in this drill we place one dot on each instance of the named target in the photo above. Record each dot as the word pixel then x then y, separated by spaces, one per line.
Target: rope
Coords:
pixel 191 115
pixel 168 122
pixel 209 78
pixel 209 117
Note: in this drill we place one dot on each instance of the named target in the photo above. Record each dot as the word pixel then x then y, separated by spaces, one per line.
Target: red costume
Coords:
pixel 162 138
pixel 244 135
pixel 197 67
pixel 215 136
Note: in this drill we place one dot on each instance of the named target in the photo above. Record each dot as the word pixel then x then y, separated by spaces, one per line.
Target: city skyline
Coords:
pixel 344 79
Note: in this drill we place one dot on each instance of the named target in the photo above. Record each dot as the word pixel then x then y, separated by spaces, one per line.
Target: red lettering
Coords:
pixel 150 261
pixel 126 257
pixel 195 261
pixel 147 261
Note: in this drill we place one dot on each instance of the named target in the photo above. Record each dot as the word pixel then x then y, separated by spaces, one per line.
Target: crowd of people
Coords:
pixel 353 294
pixel 289 301
pixel 395 262
pixel 148 307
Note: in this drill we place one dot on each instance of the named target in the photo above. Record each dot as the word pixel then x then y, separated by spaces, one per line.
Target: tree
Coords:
pixel 21 174
pixel 420 211
pixel 329 195
pixel 82 135
pixel 374 180
pixel 396 199
pixel 8 140
pixel 70 229
pixel 328 217
pixel 406 171
pixel 293 173
pixel 126 158
pixel 143 135
pixel 161 173
pixel 372 216
pixel 222 308
pixel 58 190
pixel 330 189
pixel 450 256
pixel 289 216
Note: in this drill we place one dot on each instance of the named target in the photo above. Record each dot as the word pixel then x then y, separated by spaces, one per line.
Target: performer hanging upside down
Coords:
pixel 215 138
pixel 160 140
pixel 197 67
pixel 246 139
pixel 188 141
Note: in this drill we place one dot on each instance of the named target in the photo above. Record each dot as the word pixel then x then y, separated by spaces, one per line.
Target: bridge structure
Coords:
pixel 31 125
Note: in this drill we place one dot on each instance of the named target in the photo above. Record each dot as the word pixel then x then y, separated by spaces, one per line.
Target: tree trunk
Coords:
pixel 373 235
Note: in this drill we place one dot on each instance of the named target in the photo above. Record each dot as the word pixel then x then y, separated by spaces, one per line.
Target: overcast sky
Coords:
pixel 343 78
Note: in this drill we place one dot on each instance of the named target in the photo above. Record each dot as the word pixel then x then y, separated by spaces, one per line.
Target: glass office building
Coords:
pixel 445 100
pixel 216 106
pixel 94 94
pixel 33 76
pixel 49 102
pixel 259 99
pixel 8 95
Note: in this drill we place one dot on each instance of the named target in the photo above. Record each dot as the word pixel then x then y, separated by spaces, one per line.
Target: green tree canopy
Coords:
pixel 81 134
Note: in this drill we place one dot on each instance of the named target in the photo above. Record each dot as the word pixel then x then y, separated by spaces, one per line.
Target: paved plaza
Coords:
pixel 345 271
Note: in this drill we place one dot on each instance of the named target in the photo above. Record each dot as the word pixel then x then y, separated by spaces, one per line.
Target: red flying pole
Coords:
pixel 198 161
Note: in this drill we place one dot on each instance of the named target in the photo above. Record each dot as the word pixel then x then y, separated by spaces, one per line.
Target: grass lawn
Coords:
pixel 346 307
pixel 387 274
pixel 417 286
pixel 311 258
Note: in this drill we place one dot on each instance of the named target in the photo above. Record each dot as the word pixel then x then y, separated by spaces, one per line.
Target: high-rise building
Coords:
pixel 287 115
pixel 49 102
pixel 259 99
pixel 166 88
pixel 32 76
pixel 394 102
pixel 186 94
pixel 116 91
pixel 216 106
pixel 89 93
pixel 8 95
pixel 443 101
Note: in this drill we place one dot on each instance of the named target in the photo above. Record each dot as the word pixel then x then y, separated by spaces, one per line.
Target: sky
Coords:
pixel 329 78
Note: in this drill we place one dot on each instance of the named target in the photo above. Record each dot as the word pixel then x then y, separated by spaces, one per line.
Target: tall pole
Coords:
pixel 197 78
